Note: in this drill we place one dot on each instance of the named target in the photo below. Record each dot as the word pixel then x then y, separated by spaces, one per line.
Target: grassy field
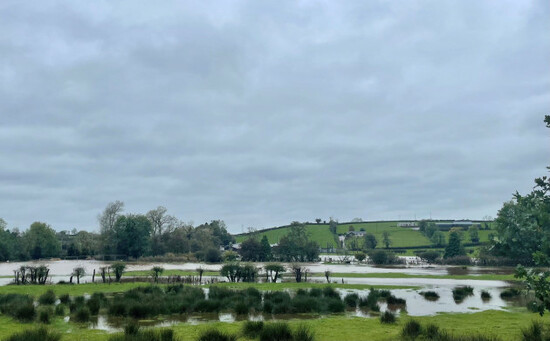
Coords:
pixel 506 325
pixel 319 233
pixel 400 237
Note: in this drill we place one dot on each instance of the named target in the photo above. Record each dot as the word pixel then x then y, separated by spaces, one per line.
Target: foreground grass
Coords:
pixel 506 325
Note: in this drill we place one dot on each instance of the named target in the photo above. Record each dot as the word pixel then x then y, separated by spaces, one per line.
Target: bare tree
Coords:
pixel 107 221
pixel 162 222
pixel 78 272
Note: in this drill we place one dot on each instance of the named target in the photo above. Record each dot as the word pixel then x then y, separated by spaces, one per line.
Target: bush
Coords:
pixel 335 305
pixel 485 295
pixel 430 295
pixel 93 304
pixel 429 256
pixel 216 335
pixel 241 308
pixel 387 317
pixel 279 331
pixel 510 293
pixel 38 334
pixel 213 255
pixel 351 300
pixel 25 313
pixel 381 257
pixel 533 332
pixel 252 328
pixel 65 299
pixel 303 333
pixel 82 314
pixel 392 300
pixel 411 330
pixel 45 315
pixel 460 293
pixel 60 309
pixel 47 298
pixel 330 292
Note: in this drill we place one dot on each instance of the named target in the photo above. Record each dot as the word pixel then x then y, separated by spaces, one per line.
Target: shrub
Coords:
pixel 45 315
pixel 485 295
pixel 279 331
pixel 533 332
pixel 47 298
pixel 510 293
pixel 303 333
pixel 411 330
pixel 460 293
pixel 38 334
pixel 430 295
pixel 82 314
pixel 392 300
pixel 132 328
pixel 335 305
pixel 241 308
pixel 118 309
pixel 351 300
pixel 387 317
pixel 252 328
pixel 330 292
pixel 60 309
pixel 429 256
pixel 213 255
pixel 360 256
pixel 216 335
pixel 93 304
pixel 25 313
pixel 65 299
pixel 432 332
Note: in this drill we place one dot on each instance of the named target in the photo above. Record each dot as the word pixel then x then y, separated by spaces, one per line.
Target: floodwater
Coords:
pixel 60 270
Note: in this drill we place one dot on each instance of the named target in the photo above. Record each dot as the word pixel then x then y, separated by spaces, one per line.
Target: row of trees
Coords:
pixel 121 235
pixel 295 246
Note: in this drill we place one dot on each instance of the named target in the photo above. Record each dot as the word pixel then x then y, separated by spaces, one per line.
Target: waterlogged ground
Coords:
pixel 440 279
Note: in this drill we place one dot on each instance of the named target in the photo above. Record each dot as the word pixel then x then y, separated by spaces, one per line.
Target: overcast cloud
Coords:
pixel 264 112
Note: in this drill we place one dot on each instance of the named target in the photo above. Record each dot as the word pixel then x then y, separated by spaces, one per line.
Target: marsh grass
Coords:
pixel 510 293
pixel 387 317
pixel 37 334
pixel 47 298
pixel 460 293
pixel 430 295
pixel 485 295
pixel 278 331
pixel 216 335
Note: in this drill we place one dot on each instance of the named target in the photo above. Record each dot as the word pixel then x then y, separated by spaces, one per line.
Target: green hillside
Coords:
pixel 400 236
pixel 317 232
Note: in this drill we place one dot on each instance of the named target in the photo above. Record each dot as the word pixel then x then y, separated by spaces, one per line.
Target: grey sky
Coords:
pixel 264 112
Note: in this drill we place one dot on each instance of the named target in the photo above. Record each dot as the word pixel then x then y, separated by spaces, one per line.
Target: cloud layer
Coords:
pixel 264 112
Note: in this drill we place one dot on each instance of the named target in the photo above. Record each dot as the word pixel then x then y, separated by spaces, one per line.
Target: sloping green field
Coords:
pixel 400 236
pixel 317 232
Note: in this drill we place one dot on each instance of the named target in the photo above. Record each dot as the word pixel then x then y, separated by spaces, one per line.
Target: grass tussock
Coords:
pixel 460 293
pixel 216 335
pixel 413 330
pixel 37 334
pixel 430 295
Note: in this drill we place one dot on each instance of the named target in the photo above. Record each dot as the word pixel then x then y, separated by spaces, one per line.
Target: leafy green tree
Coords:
pixel 438 239
pixel 454 247
pixel 333 226
pixel 118 269
pixel 296 246
pixel 41 241
pixel 370 241
pixel 107 220
pixel 266 249
pixel 430 229
pixel 386 239
pixel 360 256
pixel 274 271
pixel 230 256
pixel 473 231
pixel 133 235
pixel 213 255
pixel 78 272
pixel 422 224
pixel 232 271
pixel 251 250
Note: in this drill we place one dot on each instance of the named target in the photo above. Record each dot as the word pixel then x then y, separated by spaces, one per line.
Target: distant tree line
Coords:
pixel 155 233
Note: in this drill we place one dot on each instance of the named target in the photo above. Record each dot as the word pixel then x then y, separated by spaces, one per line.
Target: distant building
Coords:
pixel 465 224
pixel 355 234
pixel 408 224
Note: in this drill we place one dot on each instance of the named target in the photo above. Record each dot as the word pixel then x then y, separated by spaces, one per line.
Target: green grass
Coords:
pixel 73 290
pixel 171 273
pixel 506 325
pixel 401 237
pixel 318 232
